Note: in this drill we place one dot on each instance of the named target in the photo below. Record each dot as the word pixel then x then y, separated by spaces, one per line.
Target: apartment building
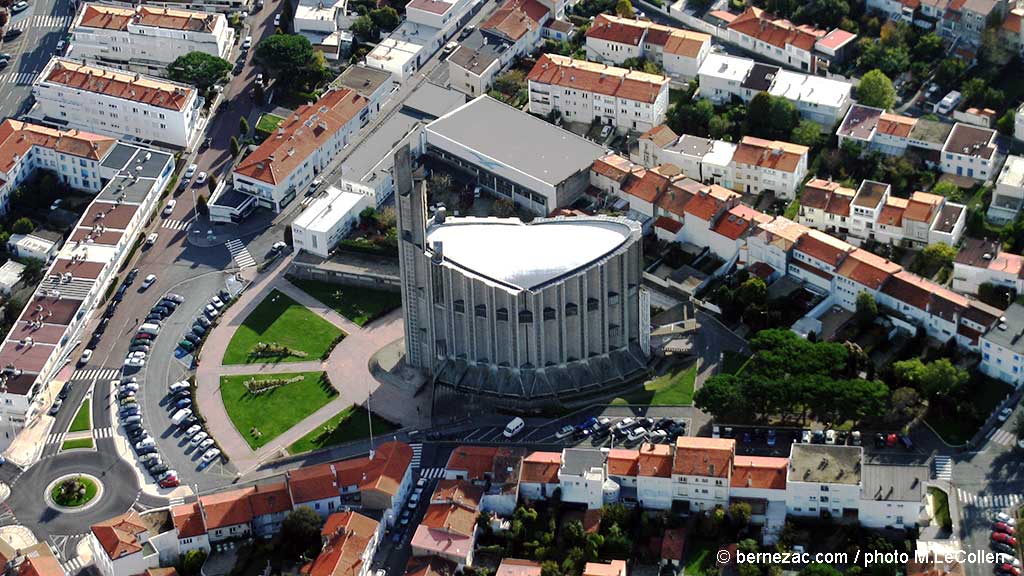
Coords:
pixel 825 206
pixel 115 103
pixel 654 476
pixel 723 78
pixel 1002 347
pixel 514 29
pixel 582 477
pixel 427 26
pixel 1009 192
pixel 613 40
pixel 769 166
pixel 327 220
pixel 970 151
pixel 127 545
pixel 586 92
pixel 303 145
pixel 824 481
pixel 146 39
pixel 760 482
pixel 702 472
pixel 776 39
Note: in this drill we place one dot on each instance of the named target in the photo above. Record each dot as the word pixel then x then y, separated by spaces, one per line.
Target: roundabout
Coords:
pixel 74 492
pixel 36 503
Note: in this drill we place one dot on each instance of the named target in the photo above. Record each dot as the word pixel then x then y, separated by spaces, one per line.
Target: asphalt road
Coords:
pixel 45 23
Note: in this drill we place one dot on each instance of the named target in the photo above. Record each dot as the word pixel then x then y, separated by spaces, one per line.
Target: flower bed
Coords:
pixel 256 386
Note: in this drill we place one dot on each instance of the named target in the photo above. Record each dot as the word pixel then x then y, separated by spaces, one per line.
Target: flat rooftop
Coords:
pixel 810 89
pixel 527 256
pixel 824 464
pixel 1007 333
pixel 728 68
pixel 363 79
pixel 516 139
pixel 870 194
pixel 144 163
pixel 931 131
pixel 323 213
pixel 894 483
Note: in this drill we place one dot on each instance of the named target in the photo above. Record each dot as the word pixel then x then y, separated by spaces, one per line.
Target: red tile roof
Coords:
pixel 757 23
pixel 772 154
pixel 614 167
pixel 666 223
pixel 698 456
pixel 515 18
pixel 118 536
pixel 348 522
pixel 759 472
pixel 118 18
pixel 270 499
pixel 299 135
pixel 686 43
pixel 922 207
pixel 824 247
pixel 188 520
pixel 661 135
pixel 836 39
pixel 517 567
pixel 451 518
pixel 343 553
pixel 867 269
pixel 710 200
pixel 655 461
pixel 623 462
pixel 737 221
pixel 615 29
pixel 429 566
pixel 557 70
pixel 227 508
pixel 119 84
pixel 458 492
pixel 432 6
pixel 541 467
pixel 313 483
pixel 895 125
pixel 892 213
pixel 17 139
pixel 40 561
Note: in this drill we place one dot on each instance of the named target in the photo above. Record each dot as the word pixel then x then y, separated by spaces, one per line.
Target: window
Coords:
pixel 480 310
pixel 525 316
pixel 503 314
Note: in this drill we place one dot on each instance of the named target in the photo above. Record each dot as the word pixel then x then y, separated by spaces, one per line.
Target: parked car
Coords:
pixel 134 362
pixel 86 356
pixel 1000 547
pixel 203 321
pixel 129 386
pixel 191 170
pixel 12 34
pixel 198 330
pixel 172 297
pixel 19 7
pixel 1005 519
pixel 1003 527
pixel 564 431
pixel 183 403
pixel 247 43
pixel 1004 538
pixel 149 281
pixel 193 430
pixel 56 406
pixel 216 303
pixel 211 312
pixel 180 385
pixel 210 455
pixel 830 437
pixel 169 482
pixel 637 434
pixel 147 457
pixel 186 346
pixel 157 470
pixel 205 444
pixel 657 437
pixel 198 438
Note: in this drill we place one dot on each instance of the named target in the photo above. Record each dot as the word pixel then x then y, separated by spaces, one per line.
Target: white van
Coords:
pixel 180 416
pixel 150 328
pixel 514 427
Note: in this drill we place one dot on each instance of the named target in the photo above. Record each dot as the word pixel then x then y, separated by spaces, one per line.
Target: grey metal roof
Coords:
pixel 126 156
pixel 893 482
pixel 431 101
pixel 1012 337
pixel 476 54
pixel 517 139
pixel 363 79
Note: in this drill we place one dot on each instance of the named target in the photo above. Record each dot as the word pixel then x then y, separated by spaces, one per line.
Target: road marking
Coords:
pixel 96 374
pixel 19 78
pixel 431 473
pixel 71 566
pixel 173 224
pixel 417 454
pixel 1003 437
pixel 240 254
pixel 996 501
pixel 176 501
pixel 107 432
pixel 55 438
pixel 943 468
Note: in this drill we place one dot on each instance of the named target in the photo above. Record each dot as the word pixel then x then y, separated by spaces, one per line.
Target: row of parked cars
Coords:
pixel 629 430
pixel 193 337
pixel 179 401
pixel 1004 542
pixel 142 342
pixel 130 414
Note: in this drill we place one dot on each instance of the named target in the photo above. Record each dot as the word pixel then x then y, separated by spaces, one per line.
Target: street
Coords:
pixel 44 24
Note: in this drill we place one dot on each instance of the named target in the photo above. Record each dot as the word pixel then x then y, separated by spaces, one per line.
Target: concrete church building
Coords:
pixel 520 313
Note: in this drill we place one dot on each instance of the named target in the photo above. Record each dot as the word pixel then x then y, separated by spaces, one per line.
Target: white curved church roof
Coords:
pixel 526 255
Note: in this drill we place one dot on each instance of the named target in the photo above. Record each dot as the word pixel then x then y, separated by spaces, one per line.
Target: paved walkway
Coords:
pixel 348 367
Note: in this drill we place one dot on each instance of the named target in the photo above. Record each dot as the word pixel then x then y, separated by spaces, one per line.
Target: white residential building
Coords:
pixel 586 92
pixel 892 496
pixel 970 151
pixel 817 99
pixel 702 472
pixel 582 477
pixel 303 145
pixel 824 481
pixel 427 26
pixel 117 103
pixel 654 477
pixel 984 262
pixel 769 166
pixel 1002 347
pixel 327 220
pixel 127 545
pixel 1009 193
pixel 612 40
pixel 326 24
pixel 146 39
pixel 721 77
pixel 776 39
pixel 876 129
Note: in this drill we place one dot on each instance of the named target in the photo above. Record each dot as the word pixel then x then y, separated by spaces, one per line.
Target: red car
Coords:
pixel 144 336
pixel 169 482
pixel 1004 538
pixel 1008 569
pixel 892 440
pixel 1003 527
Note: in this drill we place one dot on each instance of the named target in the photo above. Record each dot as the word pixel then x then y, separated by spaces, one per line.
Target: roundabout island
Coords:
pixel 74 492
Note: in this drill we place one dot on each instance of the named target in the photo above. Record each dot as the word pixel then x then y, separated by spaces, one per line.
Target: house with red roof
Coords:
pixel 496 468
pixel 777 39
pixel 315 487
pixel 760 482
pixel 227 515
pixel 270 504
pixel 190 527
pixel 612 39
pixel 728 235
pixel 613 568
pixel 702 471
pixel 350 541
pixel 769 166
pixel 447 531
pixel 38 560
pixel 654 476
pixel 703 211
pixel 825 206
pixel 539 476
pixel 128 544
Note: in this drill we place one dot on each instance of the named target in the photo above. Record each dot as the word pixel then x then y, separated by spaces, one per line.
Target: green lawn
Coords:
pixel 940 501
pixel 675 387
pixel 81 421
pixel 268 123
pixel 988 393
pixel 274 411
pixel 281 320
pixel 348 425
pixel 793 210
pixel 80 443
pixel 360 305
pixel 699 557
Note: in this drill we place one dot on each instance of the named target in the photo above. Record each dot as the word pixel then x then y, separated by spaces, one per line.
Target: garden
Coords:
pixel 74 492
pixel 81 421
pixel 674 387
pixel 263 407
pixel 281 330
pixel 349 425
pixel 360 305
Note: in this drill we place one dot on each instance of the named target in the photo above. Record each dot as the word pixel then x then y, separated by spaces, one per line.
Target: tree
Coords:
pixel 949 72
pixel 947 189
pixel 202 207
pixel 504 208
pixel 938 378
pixel 199 69
pixel 721 396
pixel 211 184
pixel 364 28
pixel 903 401
pixel 300 532
pixel 771 117
pixel 867 310
pixel 740 513
pixel 243 126
pixel 624 9
pixel 928 48
pixel 932 258
pixel 1005 124
pixel 822 13
pixel 807 133
pixel 192 562
pixel 23 226
pixel 510 82
pixel 752 292
pixel 292 59
pixel 875 89
pixel 235 146
pixel 385 18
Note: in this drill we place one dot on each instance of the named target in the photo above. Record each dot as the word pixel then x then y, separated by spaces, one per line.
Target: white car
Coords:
pixel 149 281
pixel 217 302
pixel 86 355
pixel 1003 558
pixel 56 204
pixel 277 20
pixel 830 437
pixel 191 170
pixel 137 354
pixel 210 455
pixel 148 457
pixel 211 311
pixel 180 385
pixel 1005 519
pixel 205 444
pixel 198 438
pixel 247 43
pixel 1004 414
pixel 624 424
pixel 130 387
pixel 134 362
pixel 201 179
pixel 151 239
pixel 19 6
pixel 564 431
pixel 805 437
pixel 193 430
pixel 169 208
pixel 259 78
pixel 145 443
pixel 606 131
pixel 637 434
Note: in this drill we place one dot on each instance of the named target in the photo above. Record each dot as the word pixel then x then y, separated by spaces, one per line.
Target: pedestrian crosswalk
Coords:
pixel 55 438
pixel 432 473
pixel 107 432
pixel 417 455
pixel 943 468
pixel 44 21
pixel 96 374
pixel 72 566
pixel 240 254
pixel 173 224
pixel 1003 437
pixel 307 201
pixel 998 501
pixel 19 78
